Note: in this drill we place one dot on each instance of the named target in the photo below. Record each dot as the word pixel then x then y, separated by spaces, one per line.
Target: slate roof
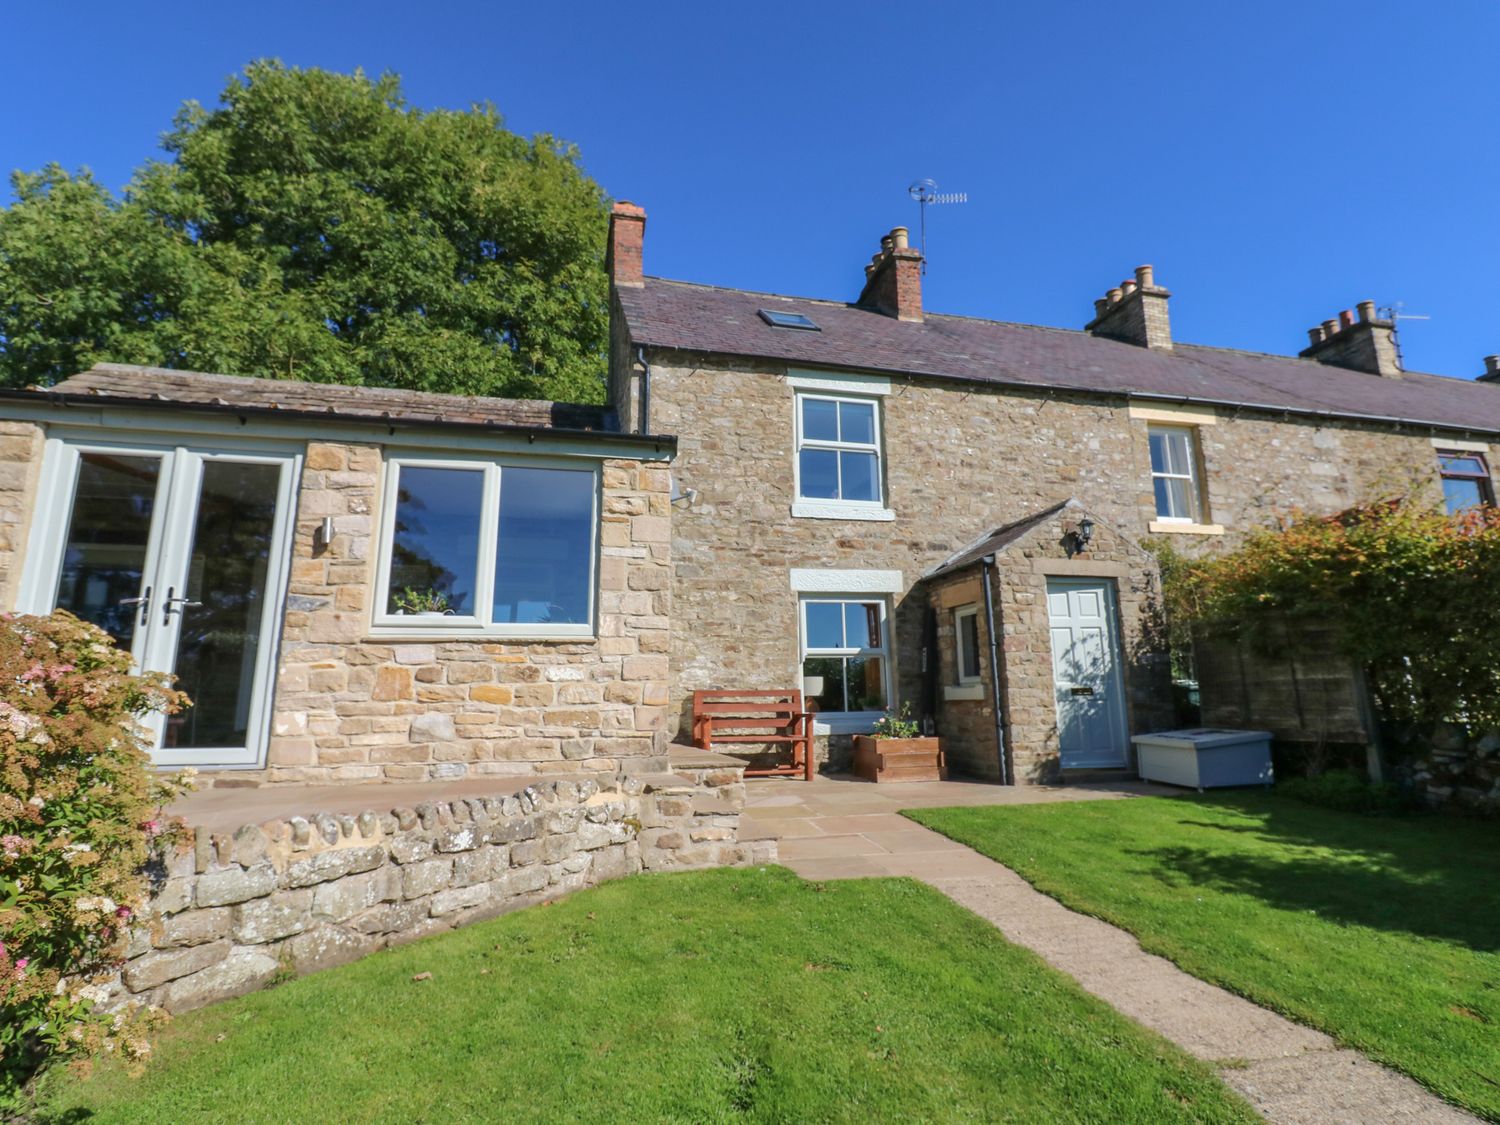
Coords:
pixel 702 318
pixel 127 383
pixel 1000 538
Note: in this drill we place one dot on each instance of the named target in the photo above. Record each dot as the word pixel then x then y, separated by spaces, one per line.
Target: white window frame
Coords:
pixel 477 624
pixel 847 722
pixel 965 677
pixel 839 508
pixel 1193 476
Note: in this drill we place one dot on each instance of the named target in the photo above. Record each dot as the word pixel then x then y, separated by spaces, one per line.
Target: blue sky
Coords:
pixel 1275 161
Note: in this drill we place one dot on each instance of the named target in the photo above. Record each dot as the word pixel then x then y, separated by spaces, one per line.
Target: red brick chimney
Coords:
pixel 627 239
pixel 893 279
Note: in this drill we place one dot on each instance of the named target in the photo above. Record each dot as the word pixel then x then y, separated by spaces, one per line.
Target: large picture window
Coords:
pixel 845 665
pixel 838 450
pixel 480 547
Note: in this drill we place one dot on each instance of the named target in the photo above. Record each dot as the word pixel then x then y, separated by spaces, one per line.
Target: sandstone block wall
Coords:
pixel 1020 582
pixel 959 460
pixel 237 911
pixel 354 707
pixel 20 466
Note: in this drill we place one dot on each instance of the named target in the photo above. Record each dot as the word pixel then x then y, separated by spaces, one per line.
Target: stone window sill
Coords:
pixel 1168 527
pixel 840 510
pixel 958 692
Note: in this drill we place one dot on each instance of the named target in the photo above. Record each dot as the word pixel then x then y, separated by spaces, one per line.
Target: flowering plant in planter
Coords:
pixel 80 816
pixel 896 725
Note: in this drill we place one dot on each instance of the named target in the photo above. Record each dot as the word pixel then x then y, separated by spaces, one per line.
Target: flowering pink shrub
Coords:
pixel 80 813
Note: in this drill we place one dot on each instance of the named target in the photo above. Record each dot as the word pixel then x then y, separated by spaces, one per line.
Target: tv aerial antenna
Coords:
pixel 926 192
pixel 1392 312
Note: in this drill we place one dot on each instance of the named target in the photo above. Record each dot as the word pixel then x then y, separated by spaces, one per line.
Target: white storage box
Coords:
pixel 1205 758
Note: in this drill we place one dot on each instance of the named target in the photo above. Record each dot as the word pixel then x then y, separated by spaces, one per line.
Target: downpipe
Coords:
pixel 1002 749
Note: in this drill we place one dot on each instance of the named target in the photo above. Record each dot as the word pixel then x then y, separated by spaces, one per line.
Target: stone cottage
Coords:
pixel 849 475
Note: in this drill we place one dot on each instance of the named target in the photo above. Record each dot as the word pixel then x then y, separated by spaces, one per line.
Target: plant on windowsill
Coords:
pixel 893 750
pixel 426 602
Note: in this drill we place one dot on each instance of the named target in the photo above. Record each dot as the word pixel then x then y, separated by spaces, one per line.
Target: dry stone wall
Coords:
pixel 236 911
pixel 354 707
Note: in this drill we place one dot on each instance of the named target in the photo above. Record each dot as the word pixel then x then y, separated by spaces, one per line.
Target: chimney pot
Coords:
pixel 893 279
pixel 1365 343
pixel 1134 312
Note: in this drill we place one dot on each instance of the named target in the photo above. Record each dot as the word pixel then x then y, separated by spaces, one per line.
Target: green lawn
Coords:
pixel 714 996
pixel 1383 932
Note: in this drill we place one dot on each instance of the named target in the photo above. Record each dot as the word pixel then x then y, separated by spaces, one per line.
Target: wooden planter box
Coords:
pixel 898 759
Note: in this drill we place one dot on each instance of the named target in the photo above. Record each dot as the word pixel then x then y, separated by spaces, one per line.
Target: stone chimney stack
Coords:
pixel 893 279
pixel 1362 343
pixel 1135 312
pixel 1491 369
pixel 627 240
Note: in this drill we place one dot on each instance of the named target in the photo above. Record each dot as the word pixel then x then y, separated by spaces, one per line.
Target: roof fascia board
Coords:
pixel 110 413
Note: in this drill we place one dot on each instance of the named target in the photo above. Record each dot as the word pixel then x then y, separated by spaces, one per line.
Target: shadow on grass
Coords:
pixel 1427 876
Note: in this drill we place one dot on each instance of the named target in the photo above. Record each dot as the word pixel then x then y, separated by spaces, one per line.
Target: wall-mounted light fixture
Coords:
pixel 1085 533
pixel 323 534
pixel 682 495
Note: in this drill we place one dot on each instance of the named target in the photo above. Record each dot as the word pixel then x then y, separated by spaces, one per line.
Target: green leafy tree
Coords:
pixel 316 227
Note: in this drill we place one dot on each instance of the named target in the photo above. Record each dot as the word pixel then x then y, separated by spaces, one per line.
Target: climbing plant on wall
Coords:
pixel 1409 591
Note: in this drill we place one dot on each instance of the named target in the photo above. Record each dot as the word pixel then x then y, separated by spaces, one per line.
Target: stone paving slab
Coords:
pixel 1291 1074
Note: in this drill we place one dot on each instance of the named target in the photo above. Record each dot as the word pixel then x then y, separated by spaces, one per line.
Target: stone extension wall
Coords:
pixel 237 911
pixel 20 465
pixel 351 707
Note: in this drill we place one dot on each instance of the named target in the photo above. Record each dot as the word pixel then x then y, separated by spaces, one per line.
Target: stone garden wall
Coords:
pixel 237 911
pixel 1449 767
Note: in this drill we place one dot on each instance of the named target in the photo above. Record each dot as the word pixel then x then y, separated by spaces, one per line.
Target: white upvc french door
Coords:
pixel 181 554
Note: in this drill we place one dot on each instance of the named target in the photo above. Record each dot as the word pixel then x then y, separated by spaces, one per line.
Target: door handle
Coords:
pixel 144 601
pixel 169 602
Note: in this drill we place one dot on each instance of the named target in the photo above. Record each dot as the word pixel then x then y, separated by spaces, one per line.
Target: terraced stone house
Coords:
pixel 890 505
pixel 871 502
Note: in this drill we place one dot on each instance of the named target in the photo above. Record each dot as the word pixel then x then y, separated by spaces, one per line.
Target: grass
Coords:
pixel 714 996
pixel 1383 932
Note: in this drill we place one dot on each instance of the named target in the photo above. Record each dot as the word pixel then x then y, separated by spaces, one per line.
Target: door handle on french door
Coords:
pixel 144 601
pixel 180 603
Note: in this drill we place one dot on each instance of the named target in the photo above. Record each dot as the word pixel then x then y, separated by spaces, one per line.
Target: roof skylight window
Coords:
pixel 788 320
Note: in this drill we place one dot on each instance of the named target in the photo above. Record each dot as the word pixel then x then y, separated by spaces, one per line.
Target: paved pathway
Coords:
pixel 844 829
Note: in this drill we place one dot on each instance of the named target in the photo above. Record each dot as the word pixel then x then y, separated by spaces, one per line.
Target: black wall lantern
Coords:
pixel 1083 534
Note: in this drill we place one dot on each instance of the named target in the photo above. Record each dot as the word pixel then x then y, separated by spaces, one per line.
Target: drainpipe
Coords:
pixel 1001 753
pixel 644 427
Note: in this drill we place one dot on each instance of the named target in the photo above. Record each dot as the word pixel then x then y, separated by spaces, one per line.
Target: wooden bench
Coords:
pixel 771 718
